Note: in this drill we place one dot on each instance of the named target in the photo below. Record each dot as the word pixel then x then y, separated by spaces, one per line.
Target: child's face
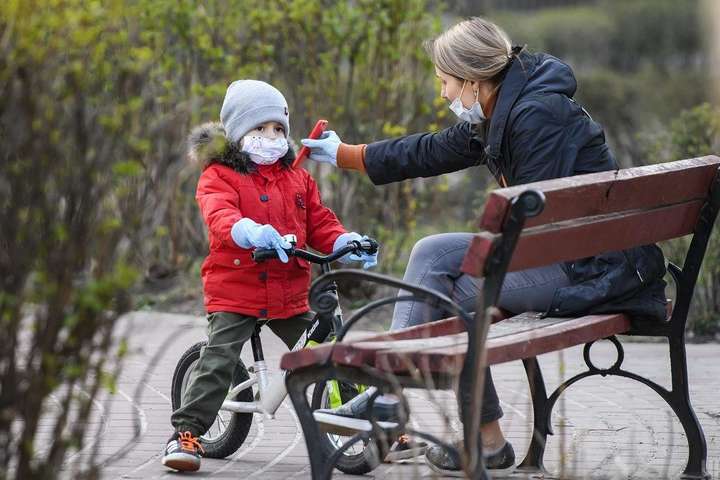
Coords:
pixel 270 130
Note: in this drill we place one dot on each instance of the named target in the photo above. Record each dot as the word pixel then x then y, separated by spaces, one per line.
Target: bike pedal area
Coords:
pixel 348 426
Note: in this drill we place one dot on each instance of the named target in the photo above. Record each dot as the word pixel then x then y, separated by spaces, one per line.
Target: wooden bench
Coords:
pixel 524 227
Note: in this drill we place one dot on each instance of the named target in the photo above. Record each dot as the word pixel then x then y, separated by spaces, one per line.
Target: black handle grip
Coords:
pixel 262 254
pixel 368 245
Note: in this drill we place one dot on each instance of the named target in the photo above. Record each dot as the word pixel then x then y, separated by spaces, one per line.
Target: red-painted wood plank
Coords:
pixel 524 344
pixel 577 331
pixel 608 192
pixel 581 238
pixel 306 356
pixel 300 358
pixel 447 326
pixel 520 337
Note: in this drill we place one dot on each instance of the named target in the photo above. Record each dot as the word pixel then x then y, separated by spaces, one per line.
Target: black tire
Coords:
pixel 238 426
pixel 353 464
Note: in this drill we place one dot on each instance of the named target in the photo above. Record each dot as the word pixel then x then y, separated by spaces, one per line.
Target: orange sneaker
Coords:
pixel 182 452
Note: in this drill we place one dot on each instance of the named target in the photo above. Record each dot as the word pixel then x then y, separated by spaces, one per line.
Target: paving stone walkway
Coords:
pixel 605 428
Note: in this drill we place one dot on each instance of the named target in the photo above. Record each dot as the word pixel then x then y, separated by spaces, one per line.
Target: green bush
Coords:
pixel 96 99
pixel 638 63
pixel 695 132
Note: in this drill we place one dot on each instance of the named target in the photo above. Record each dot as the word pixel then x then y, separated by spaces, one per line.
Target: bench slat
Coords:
pixel 512 339
pixel 306 356
pixel 581 238
pixel 609 192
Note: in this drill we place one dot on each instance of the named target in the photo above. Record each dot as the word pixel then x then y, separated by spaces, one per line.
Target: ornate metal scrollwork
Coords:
pixel 615 368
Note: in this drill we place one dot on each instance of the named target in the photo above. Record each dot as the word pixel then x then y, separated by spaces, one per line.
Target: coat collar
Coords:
pixel 510 89
pixel 269 172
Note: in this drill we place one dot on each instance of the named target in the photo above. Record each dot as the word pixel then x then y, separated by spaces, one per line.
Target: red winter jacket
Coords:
pixel 288 199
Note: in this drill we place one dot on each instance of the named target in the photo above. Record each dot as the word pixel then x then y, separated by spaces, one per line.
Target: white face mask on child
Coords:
pixel 264 151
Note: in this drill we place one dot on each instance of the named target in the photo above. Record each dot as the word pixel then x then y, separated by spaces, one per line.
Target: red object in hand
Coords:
pixel 317 130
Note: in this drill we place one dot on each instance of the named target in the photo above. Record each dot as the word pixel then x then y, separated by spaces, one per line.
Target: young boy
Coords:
pixel 249 197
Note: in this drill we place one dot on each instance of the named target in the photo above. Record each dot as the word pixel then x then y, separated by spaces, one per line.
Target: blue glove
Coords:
pixel 324 149
pixel 247 234
pixel 368 260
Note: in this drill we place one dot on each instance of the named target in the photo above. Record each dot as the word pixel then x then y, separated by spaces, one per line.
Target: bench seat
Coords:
pixel 441 346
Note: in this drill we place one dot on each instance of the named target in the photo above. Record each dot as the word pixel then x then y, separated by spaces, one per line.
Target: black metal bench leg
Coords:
pixel 297 382
pixel 533 461
pixel 680 402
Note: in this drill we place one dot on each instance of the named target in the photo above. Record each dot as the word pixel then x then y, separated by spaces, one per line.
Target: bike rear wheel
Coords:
pixel 229 430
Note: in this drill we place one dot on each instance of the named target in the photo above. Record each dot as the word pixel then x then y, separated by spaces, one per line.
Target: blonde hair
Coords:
pixel 475 49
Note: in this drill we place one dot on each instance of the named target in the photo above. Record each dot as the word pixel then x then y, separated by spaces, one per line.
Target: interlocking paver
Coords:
pixel 605 428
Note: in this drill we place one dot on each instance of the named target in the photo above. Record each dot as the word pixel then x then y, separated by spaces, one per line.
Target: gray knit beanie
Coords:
pixel 249 103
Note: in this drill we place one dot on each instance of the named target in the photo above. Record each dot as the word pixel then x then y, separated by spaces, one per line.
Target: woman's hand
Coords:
pixel 324 149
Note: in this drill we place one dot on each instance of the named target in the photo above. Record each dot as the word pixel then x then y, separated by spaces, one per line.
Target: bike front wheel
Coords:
pixel 229 430
pixel 362 457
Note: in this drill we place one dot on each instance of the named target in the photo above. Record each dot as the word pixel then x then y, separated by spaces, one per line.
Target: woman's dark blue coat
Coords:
pixel 536 132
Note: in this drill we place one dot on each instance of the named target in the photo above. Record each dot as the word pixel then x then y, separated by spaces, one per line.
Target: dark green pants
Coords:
pixel 211 378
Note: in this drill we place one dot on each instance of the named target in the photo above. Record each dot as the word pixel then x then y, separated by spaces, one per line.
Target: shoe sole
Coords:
pixel 346 426
pixel 181 462
pixel 443 472
pixel 405 454
pixel 494 472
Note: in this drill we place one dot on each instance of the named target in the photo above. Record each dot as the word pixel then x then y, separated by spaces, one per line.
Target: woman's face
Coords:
pixel 270 130
pixel 450 88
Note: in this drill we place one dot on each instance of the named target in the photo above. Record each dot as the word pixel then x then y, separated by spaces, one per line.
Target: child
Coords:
pixel 249 197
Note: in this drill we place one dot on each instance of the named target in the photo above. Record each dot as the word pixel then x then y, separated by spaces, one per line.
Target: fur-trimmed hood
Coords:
pixel 207 144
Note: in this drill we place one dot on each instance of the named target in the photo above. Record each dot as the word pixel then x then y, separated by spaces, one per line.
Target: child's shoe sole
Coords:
pixel 182 462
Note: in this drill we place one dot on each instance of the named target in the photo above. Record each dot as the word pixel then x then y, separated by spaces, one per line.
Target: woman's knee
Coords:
pixel 433 246
pixel 424 248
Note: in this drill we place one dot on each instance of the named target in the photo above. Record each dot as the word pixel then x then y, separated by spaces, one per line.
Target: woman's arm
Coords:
pixel 422 154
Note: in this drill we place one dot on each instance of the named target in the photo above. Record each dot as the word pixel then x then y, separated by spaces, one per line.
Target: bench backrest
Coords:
pixel 591 214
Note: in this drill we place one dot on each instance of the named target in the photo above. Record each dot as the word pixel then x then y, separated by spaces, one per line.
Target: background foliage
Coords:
pixel 97 198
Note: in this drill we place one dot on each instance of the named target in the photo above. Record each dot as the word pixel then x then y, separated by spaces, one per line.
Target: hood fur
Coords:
pixel 207 145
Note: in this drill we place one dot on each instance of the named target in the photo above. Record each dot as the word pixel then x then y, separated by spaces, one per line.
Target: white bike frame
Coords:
pixel 271 387
pixel 272 391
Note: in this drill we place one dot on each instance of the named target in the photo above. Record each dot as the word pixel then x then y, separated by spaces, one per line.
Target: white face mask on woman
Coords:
pixel 473 114
pixel 264 151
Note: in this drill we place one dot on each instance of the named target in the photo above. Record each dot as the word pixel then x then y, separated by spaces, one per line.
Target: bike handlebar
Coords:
pixel 368 246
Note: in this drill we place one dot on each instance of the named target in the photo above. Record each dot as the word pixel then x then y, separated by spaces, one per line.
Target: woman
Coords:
pixel 520 120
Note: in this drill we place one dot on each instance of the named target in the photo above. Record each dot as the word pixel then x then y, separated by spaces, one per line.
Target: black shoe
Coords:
pixel 405 448
pixel 448 462
pixel 181 452
pixel 501 461
pixel 358 407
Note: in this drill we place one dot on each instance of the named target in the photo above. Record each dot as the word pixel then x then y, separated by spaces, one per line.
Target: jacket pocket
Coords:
pixel 228 261
pixel 299 279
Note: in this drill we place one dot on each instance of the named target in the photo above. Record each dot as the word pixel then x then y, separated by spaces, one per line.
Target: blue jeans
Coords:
pixel 435 263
